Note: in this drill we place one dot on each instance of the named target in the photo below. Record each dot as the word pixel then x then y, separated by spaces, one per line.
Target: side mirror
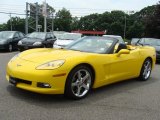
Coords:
pixel 123 51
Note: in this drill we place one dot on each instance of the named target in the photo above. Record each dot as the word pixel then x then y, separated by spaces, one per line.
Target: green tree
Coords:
pixel 3 27
pixel 63 20
pixel 152 26
pixel 18 24
pixel 136 30
pixel 74 24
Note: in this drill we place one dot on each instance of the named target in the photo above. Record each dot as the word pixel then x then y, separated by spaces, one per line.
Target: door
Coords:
pixel 15 40
pixel 124 66
pixel 49 40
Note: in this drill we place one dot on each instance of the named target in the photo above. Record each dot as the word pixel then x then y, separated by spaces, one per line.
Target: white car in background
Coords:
pixel 117 37
pixel 58 33
pixel 65 39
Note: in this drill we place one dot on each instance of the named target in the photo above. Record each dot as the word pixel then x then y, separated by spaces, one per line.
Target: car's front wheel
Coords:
pixel 146 70
pixel 10 48
pixel 79 82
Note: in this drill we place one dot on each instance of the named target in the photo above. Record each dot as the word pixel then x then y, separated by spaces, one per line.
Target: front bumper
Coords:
pixel 28 77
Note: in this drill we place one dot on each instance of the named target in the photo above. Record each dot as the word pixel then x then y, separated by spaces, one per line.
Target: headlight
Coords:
pixel 51 65
pixel 13 58
pixel 20 43
pixel 37 43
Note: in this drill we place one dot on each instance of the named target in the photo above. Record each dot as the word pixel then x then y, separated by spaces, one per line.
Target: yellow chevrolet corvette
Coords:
pixel 87 63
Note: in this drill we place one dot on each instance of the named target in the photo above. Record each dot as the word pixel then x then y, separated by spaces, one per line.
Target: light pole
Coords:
pixel 10 20
pixel 52 22
pixel 125 24
pixel 45 15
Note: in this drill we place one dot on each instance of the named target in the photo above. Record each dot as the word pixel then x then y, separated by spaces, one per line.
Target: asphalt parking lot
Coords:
pixel 128 100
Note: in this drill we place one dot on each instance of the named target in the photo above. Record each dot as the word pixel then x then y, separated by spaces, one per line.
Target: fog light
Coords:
pixel 43 85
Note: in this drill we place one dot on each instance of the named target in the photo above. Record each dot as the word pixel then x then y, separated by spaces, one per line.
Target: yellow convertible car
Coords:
pixel 87 63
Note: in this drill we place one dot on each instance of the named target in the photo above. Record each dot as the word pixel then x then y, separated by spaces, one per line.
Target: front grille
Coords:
pixel 17 80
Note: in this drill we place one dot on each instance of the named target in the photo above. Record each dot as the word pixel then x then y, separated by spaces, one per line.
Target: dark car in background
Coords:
pixel 37 40
pixel 9 40
pixel 151 42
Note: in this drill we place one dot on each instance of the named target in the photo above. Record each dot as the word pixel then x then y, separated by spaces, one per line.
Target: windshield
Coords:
pixel 92 44
pixel 69 36
pixel 6 35
pixel 116 37
pixel 38 35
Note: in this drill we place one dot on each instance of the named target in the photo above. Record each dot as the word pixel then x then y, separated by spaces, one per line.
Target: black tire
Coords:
pixel 74 84
pixel 145 74
pixel 10 48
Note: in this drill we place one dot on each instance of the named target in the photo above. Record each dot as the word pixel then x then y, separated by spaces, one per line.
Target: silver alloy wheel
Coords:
pixel 147 69
pixel 81 83
pixel 10 47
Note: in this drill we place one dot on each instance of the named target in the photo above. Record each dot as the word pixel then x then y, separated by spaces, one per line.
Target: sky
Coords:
pixel 76 7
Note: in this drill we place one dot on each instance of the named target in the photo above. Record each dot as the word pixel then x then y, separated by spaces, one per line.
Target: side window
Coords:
pixel 48 36
pixel 51 35
pixel 21 35
pixel 16 35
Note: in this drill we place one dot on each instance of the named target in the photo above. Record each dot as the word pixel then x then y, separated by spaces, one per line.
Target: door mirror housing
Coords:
pixel 123 51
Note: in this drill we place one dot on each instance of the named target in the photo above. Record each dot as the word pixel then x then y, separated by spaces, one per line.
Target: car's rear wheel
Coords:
pixel 146 70
pixel 10 48
pixel 79 82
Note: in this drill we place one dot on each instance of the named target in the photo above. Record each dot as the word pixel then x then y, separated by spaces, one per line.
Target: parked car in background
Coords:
pixel 58 33
pixel 151 42
pixel 65 39
pixel 9 40
pixel 117 37
pixel 134 41
pixel 37 40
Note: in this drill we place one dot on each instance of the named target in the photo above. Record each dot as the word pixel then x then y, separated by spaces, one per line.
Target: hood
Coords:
pixel 3 41
pixel 63 42
pixel 31 40
pixel 45 55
